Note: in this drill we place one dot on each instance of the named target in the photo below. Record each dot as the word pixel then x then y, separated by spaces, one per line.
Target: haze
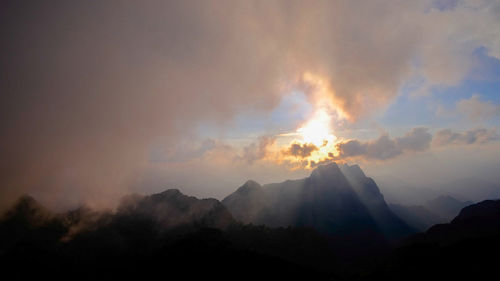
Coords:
pixel 101 99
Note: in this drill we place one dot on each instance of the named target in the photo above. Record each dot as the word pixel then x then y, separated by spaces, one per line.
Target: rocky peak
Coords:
pixel 171 208
pixel 249 187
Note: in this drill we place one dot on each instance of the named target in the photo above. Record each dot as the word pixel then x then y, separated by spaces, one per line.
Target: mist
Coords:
pixel 107 98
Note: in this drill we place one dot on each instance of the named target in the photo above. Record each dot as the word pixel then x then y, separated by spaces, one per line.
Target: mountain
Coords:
pixel 475 189
pixel 416 216
pixel 339 201
pixel 390 224
pixel 481 220
pixel 438 210
pixel 397 191
pixel 446 206
pixel 465 248
pixel 171 208
pixel 174 236
pixel 167 235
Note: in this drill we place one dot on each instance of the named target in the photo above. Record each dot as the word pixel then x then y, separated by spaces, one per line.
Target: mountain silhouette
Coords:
pixel 417 216
pixel 390 224
pixel 465 248
pixel 167 235
pixel 171 208
pixel 446 206
pixel 174 236
pixel 474 221
pixel 338 201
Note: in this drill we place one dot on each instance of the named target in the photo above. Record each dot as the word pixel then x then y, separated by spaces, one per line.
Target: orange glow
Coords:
pixel 316 133
pixel 322 95
pixel 314 139
pixel 317 130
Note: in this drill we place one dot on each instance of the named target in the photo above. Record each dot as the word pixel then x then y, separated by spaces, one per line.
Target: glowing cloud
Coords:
pixel 317 130
pixel 322 96
pixel 316 141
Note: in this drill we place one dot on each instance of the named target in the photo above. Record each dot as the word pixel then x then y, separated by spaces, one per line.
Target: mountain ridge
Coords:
pixel 464 248
pixel 334 200
pixel 136 242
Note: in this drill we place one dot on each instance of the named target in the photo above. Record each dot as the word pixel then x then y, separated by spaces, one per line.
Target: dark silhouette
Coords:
pixel 465 248
pixel 173 236
pixel 446 206
pixel 166 235
pixel 417 216
pixel 341 203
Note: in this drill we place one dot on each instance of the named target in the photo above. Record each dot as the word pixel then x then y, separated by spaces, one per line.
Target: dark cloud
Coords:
pixel 350 148
pixel 259 150
pixel 300 150
pixel 475 136
pixel 444 5
pixel 418 139
pixel 382 148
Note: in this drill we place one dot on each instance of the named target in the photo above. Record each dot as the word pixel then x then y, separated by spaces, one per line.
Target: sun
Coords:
pixel 317 129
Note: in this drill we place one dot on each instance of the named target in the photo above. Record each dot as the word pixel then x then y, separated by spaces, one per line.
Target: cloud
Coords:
pixel 477 110
pixel 300 150
pixel 181 151
pixel 83 102
pixel 475 136
pixel 444 5
pixel 384 147
pixel 418 139
pixel 258 151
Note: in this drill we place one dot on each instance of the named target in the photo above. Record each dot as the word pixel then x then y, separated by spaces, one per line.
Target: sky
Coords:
pixel 102 98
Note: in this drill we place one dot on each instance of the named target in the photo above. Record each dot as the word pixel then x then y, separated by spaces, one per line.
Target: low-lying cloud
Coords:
pixel 300 150
pixel 384 147
pixel 416 140
pixel 258 150
pixel 475 136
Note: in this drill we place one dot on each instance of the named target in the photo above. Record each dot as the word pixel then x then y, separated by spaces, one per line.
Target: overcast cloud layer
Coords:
pixel 88 88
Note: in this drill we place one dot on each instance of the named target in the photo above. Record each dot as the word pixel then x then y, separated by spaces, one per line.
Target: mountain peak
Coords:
pixel 330 178
pixel 249 186
pixel 487 208
pixel 329 175
pixel 446 206
pixel 171 208
pixel 172 192
pixel 327 201
pixel 28 211
pixel 354 170
pixel 27 203
pixel 330 168
pixel 167 195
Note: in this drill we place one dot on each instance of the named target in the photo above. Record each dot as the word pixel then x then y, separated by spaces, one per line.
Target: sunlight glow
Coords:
pixel 313 142
pixel 317 130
